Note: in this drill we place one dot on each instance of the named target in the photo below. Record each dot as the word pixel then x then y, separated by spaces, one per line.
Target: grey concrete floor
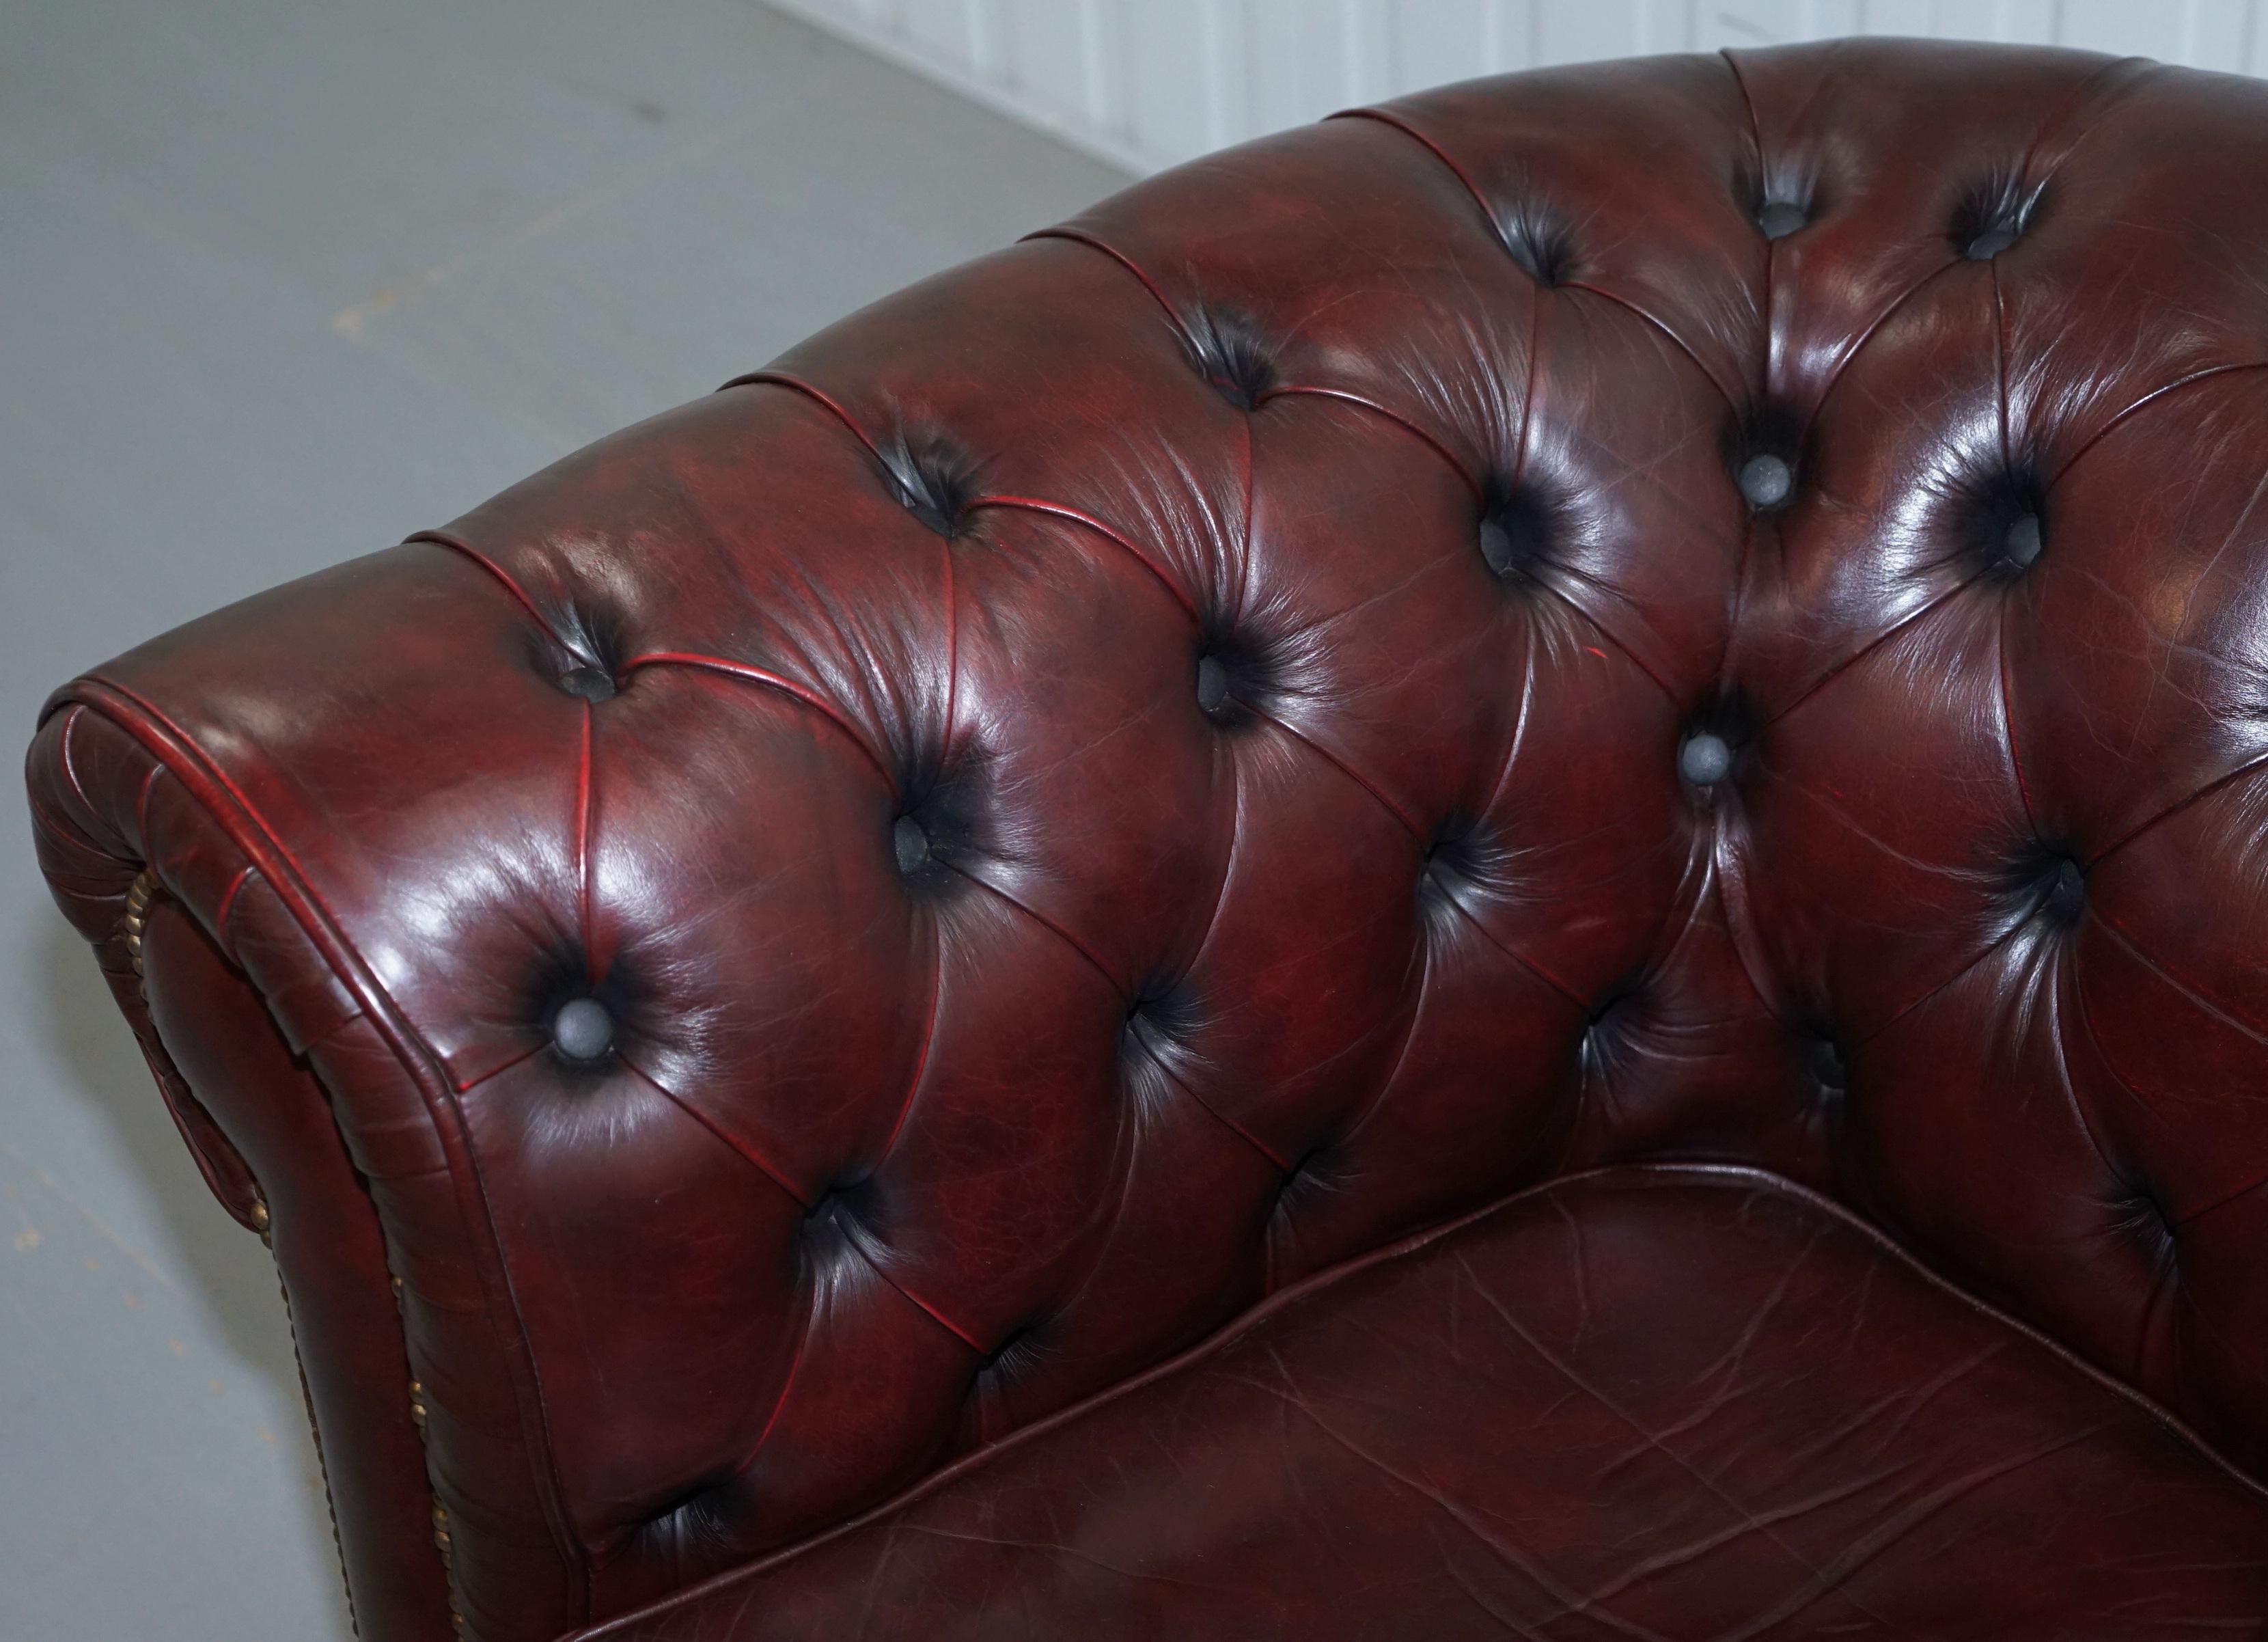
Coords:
pixel 280 283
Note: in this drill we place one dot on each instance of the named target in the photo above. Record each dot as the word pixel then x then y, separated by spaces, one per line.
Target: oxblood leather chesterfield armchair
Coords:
pixel 1497 871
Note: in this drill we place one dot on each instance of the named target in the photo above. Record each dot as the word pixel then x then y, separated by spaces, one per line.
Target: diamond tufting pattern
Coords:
pixel 1471 642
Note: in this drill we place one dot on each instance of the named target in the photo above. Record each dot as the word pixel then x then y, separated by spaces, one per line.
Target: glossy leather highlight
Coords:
pixel 1152 766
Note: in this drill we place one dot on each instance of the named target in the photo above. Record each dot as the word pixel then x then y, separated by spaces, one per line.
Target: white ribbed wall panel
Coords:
pixel 1148 83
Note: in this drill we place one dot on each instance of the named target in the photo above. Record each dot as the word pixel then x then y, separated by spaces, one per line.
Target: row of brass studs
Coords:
pixel 139 895
pixel 314 1429
pixel 441 1540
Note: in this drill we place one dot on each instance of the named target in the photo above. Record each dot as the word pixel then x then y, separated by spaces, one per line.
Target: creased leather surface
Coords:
pixel 1670 1404
pixel 1149 766
pixel 331 1260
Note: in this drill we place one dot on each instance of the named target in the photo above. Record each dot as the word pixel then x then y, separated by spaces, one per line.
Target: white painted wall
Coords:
pixel 1148 83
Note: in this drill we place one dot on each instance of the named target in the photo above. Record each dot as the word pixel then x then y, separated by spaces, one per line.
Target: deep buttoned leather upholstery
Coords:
pixel 1696 609
pixel 1652 1401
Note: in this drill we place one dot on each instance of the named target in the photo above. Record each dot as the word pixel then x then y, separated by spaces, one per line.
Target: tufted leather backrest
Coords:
pixel 1684 608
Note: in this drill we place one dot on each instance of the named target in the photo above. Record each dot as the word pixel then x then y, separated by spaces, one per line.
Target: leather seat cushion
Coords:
pixel 1674 1402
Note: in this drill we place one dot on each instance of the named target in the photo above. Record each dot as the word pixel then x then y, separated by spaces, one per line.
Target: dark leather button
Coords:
pixel 1766 481
pixel 1705 759
pixel 2066 893
pixel 2023 541
pixel 1989 244
pixel 1779 219
pixel 834 1204
pixel 1232 356
pixel 2145 1216
pixel 1517 525
pixel 935 478
pixel 910 843
pixel 583 1030
pixel 1830 1076
pixel 1212 683
pixel 593 684
pixel 1496 550
pixel 1541 246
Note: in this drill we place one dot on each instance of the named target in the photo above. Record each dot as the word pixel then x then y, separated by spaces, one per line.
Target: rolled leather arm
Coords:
pixel 784 913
